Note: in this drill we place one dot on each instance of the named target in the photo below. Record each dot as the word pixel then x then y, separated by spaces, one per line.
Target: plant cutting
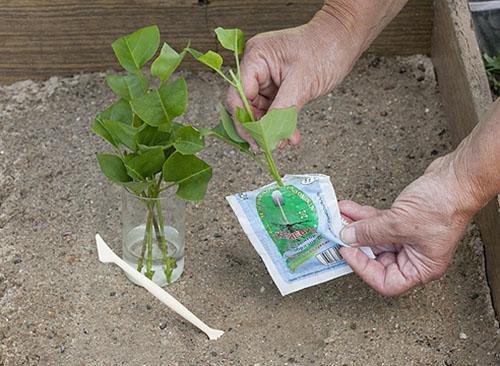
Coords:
pixel 276 125
pixel 153 152
pixel 294 222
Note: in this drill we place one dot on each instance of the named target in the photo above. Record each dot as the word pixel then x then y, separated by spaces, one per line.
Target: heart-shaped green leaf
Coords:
pixel 121 133
pixel 231 39
pixel 134 50
pixel 145 164
pixel 276 125
pixel 113 168
pixel 99 129
pixel 166 63
pixel 151 137
pixel 118 111
pixel 136 187
pixel 190 173
pixel 160 106
pixel 128 87
pixel 210 58
pixel 175 95
pixel 227 123
pixel 188 140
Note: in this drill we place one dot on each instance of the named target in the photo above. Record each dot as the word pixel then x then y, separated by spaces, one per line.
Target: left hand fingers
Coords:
pixel 383 275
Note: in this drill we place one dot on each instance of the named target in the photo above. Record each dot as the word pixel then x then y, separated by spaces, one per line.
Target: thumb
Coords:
pixel 288 95
pixel 376 230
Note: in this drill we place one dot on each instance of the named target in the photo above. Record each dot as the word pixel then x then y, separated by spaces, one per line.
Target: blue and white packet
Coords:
pixel 295 229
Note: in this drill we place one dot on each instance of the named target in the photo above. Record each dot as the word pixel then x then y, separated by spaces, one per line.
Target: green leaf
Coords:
pixel 121 133
pixel 99 129
pixel 276 125
pixel 190 173
pixel 220 133
pixel 176 97
pixel 128 86
pixel 151 136
pixel 227 123
pixel 188 140
pixel 151 109
pixel 134 50
pixel 210 58
pixel 145 164
pixel 136 187
pixel 113 168
pixel 166 63
pixel 118 111
pixel 242 115
pixel 231 39
pixel 160 106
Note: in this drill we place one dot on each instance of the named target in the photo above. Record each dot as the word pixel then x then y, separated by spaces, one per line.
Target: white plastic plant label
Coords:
pixel 295 230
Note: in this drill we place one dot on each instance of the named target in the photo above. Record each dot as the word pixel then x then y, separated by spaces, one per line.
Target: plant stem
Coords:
pixel 140 261
pixel 236 56
pixel 169 263
pixel 269 158
pixel 273 169
pixel 149 233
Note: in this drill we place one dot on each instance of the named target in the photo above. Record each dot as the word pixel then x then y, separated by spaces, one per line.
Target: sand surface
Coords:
pixel 60 306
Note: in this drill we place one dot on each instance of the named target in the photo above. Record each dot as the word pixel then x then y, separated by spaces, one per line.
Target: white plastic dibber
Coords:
pixel 106 255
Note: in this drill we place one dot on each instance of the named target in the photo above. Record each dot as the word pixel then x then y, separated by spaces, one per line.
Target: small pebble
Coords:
pixel 463 335
pixel 17 260
pixel 213 353
pixel 262 289
pixel 62 349
pixel 148 307
pixel 112 293
pixel 393 147
pixel 420 78
pixel 217 235
pixel 163 326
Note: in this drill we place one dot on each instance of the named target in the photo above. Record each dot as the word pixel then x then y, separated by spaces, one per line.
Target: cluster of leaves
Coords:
pixel 492 65
pixel 153 151
pixel 267 132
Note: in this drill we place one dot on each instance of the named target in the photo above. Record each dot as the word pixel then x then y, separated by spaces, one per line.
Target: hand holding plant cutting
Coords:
pixel 267 131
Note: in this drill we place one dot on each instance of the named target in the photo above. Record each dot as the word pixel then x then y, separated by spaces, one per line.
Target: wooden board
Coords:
pixel 466 97
pixel 41 38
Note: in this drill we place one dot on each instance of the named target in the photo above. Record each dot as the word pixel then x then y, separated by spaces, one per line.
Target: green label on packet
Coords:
pixel 291 220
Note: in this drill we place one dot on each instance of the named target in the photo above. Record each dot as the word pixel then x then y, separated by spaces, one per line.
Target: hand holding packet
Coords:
pixel 295 229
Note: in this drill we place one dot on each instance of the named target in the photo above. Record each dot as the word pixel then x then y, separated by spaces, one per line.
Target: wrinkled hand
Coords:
pixel 415 239
pixel 292 67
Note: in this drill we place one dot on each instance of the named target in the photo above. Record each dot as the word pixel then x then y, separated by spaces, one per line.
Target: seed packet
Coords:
pixel 295 229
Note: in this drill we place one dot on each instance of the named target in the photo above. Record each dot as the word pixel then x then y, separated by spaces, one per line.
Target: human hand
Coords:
pixel 415 239
pixel 292 67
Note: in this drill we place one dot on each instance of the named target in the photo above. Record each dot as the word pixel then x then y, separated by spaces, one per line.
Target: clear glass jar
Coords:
pixel 153 235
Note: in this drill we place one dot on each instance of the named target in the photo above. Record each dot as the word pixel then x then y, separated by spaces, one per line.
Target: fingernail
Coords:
pixel 348 235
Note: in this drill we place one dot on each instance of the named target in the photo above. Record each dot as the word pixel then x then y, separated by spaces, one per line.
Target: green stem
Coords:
pixel 140 261
pixel 236 53
pixel 159 225
pixel 149 233
pixel 269 158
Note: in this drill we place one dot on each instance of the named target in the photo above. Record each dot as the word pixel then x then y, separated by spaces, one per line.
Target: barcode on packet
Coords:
pixel 330 256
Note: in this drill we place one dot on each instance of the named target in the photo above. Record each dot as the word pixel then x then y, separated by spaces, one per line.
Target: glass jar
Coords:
pixel 153 235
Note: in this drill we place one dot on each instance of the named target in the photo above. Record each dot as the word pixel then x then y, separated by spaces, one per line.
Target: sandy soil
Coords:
pixel 60 306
